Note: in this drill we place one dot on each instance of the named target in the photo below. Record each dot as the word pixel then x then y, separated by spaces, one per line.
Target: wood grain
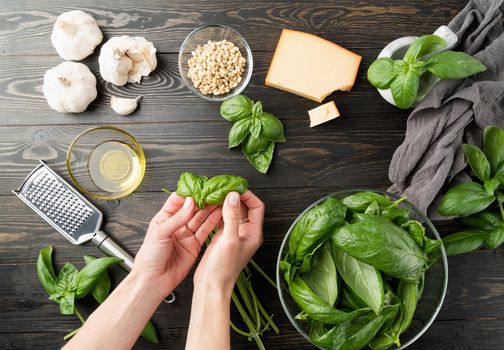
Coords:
pixel 181 132
pixel 26 31
pixel 344 153
pixel 482 334
pixel 23 293
pixel 166 98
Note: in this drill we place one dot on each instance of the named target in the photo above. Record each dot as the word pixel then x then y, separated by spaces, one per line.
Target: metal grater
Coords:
pixel 72 215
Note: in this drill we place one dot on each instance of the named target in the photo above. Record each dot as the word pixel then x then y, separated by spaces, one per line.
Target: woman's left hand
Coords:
pixel 173 242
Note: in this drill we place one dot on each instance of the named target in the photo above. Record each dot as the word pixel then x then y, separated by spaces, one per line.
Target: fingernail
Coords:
pixel 234 198
pixel 187 203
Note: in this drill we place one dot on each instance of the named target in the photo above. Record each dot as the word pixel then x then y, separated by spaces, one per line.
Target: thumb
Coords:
pixel 231 215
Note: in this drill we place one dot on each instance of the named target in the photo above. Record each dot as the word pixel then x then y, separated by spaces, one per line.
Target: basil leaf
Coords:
pixel 288 270
pixel 217 188
pixel 360 201
pixel 499 173
pixel 45 270
pixel 350 300
pixel 88 276
pixel 404 88
pixel 485 220
pixel 149 333
pixel 491 186
pixel 260 159
pixel 493 146
pixel 236 108
pixel 478 162
pixel 464 241
pixel 272 128
pixel 454 65
pixel 381 73
pixel 399 215
pixel 407 293
pixel 495 238
pixel 379 242
pixel 257 110
pixel 191 185
pixel 431 246
pixel 322 279
pixel 255 128
pixel 254 144
pixel 362 278
pixel 101 289
pixel 416 230
pixel 67 278
pixel 66 303
pixel 465 199
pixel 373 209
pixel 315 226
pixel 357 333
pixel 314 306
pixel 239 132
pixel 422 46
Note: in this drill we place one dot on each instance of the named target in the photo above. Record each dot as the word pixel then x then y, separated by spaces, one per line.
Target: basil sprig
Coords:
pixel 403 76
pixel 71 284
pixel 207 191
pixel 475 202
pixel 257 131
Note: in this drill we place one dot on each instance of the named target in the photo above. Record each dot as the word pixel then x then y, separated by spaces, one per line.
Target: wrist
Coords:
pixel 145 286
pixel 214 289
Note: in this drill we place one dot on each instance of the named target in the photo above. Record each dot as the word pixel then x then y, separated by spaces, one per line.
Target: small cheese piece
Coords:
pixel 323 114
pixel 312 67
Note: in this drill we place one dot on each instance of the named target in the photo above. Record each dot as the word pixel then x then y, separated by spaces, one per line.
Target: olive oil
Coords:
pixel 114 166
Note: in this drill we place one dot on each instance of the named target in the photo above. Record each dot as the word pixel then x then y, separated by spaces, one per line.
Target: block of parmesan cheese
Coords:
pixel 323 113
pixel 312 67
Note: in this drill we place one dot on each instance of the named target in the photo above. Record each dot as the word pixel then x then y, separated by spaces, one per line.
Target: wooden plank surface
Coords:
pixel 181 132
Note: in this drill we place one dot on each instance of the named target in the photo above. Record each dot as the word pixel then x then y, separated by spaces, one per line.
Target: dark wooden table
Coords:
pixel 181 132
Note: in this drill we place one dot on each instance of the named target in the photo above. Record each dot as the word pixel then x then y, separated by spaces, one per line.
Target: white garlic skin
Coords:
pixel 124 106
pixel 69 87
pixel 126 59
pixel 75 35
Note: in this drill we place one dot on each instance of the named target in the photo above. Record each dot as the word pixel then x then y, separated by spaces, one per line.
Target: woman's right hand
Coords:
pixel 234 244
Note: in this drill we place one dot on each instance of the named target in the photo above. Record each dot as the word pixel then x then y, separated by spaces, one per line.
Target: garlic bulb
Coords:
pixel 124 106
pixel 127 59
pixel 69 87
pixel 75 35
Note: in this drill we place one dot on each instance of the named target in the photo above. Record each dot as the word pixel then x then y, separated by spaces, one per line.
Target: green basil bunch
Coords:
pixel 356 270
pixel 474 202
pixel 255 130
pixel 403 76
pixel 207 191
pixel 71 284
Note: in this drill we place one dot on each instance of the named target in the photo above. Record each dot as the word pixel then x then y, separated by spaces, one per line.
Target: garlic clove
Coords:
pixel 75 35
pixel 124 106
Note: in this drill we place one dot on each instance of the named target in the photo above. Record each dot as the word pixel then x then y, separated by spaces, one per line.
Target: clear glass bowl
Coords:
pixel 106 150
pixel 215 32
pixel 436 278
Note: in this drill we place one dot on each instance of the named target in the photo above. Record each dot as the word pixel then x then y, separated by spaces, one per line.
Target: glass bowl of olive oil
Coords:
pixel 106 162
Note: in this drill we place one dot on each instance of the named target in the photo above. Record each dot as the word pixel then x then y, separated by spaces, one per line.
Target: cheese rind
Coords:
pixel 323 113
pixel 312 67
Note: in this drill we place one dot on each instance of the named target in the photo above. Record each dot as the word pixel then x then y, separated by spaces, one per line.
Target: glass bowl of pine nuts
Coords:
pixel 215 62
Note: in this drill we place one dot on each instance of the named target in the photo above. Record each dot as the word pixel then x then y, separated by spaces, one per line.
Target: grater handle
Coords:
pixel 111 248
pixel 107 245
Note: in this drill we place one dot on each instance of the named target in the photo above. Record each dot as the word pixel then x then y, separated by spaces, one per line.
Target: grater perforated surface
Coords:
pixel 60 205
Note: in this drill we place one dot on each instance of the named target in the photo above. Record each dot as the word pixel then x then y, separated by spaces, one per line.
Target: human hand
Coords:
pixel 234 244
pixel 173 242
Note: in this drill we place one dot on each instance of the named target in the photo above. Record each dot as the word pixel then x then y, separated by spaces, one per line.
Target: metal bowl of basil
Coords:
pixel 362 269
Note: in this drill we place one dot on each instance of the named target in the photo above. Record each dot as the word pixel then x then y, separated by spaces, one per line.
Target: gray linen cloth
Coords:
pixel 455 111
